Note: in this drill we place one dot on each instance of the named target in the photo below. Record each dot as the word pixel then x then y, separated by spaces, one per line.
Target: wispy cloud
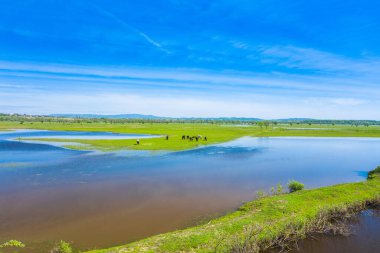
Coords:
pixel 348 101
pixel 336 101
pixel 312 59
pixel 332 86
pixel 163 105
pixel 192 79
pixel 183 92
pixel 124 24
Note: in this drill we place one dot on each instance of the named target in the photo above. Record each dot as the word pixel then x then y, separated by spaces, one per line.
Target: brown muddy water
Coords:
pixel 97 200
pixel 365 238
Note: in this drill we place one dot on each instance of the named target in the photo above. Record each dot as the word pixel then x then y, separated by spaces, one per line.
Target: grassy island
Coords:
pixel 215 133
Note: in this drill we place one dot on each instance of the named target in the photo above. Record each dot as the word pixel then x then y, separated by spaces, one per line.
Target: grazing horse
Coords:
pixel 205 138
pixel 183 137
pixel 167 137
pixel 138 142
pixel 187 137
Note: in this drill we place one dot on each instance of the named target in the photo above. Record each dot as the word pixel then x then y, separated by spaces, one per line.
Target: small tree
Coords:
pixel 272 191
pixel 294 186
pixel 62 247
pixel 260 194
pixel 279 189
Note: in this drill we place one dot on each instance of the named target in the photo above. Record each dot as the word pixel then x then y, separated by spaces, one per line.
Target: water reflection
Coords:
pixel 365 238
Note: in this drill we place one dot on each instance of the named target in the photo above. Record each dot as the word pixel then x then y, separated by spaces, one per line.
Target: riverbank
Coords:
pixel 274 221
pixel 215 133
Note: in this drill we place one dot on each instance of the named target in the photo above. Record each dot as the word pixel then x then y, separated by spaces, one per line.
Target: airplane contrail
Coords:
pixel 128 26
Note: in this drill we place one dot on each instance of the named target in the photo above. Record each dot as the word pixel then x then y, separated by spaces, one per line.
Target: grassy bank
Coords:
pixel 267 222
pixel 216 133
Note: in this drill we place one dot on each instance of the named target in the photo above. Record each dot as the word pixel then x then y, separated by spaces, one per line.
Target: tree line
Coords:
pixel 21 118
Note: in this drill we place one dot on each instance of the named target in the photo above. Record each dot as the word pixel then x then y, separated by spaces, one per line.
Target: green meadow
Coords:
pixel 215 133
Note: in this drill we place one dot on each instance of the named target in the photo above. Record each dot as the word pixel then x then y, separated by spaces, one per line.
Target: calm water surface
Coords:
pixel 365 238
pixel 49 193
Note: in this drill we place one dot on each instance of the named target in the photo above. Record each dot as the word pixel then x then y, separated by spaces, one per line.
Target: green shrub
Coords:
pixel 279 189
pixel 372 173
pixel 12 244
pixel 294 186
pixel 260 194
pixel 62 247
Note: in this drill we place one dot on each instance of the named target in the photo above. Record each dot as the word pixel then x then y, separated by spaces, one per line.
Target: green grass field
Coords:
pixel 262 221
pixel 216 133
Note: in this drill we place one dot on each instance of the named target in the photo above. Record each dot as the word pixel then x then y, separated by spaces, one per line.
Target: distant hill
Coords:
pixel 153 118
pixel 143 116
pixel 224 119
pixel 113 116
pixel 295 120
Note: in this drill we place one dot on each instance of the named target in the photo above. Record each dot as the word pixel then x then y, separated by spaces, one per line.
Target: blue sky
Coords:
pixel 267 59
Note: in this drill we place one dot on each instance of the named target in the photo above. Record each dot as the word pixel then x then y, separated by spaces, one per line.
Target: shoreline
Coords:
pixel 268 222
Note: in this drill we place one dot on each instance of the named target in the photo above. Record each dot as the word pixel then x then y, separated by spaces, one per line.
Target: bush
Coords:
pixel 12 244
pixel 260 194
pixel 279 189
pixel 372 173
pixel 294 186
pixel 62 247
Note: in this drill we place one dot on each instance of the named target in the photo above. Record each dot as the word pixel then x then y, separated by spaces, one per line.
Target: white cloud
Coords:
pixel 312 59
pixel 184 106
pixel 347 101
pixel 193 79
pixel 57 88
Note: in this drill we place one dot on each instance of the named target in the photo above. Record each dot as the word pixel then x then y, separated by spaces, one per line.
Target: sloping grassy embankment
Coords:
pixel 274 221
